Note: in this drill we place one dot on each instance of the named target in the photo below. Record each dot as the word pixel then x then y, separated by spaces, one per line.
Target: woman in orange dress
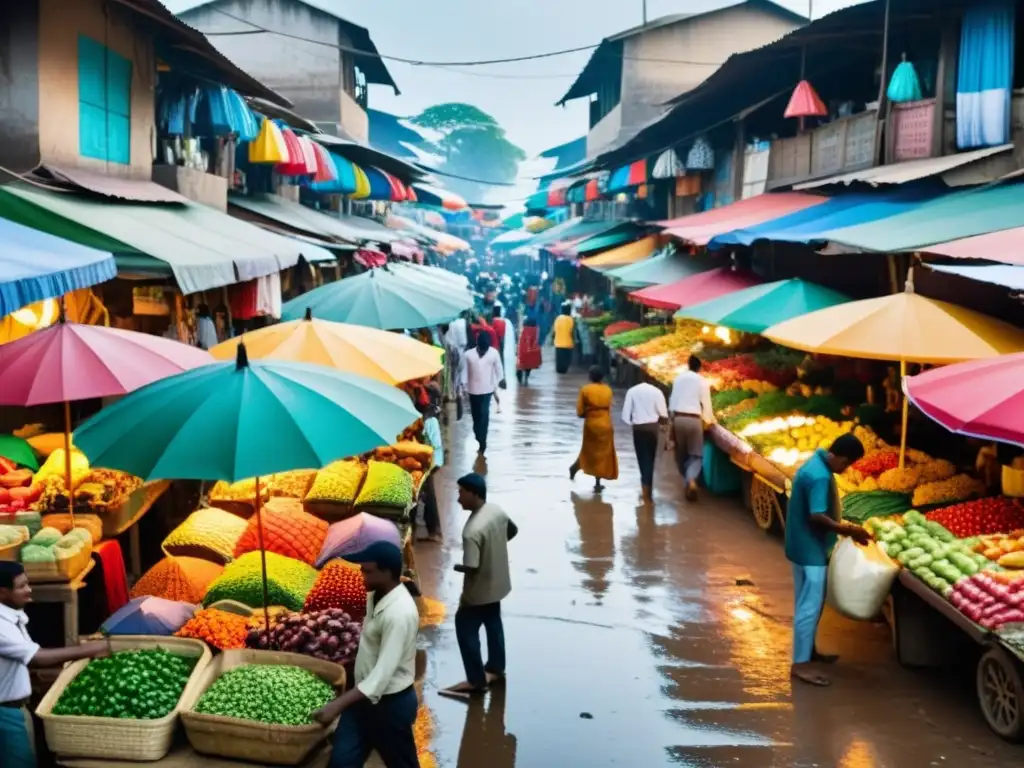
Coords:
pixel 597 456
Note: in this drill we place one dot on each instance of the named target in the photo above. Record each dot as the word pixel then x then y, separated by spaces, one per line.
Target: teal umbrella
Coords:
pixel 236 420
pixel 18 451
pixel 380 299
pixel 666 267
pixel 757 308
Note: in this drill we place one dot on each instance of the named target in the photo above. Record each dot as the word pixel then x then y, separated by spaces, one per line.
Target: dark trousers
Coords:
pixel 563 359
pixel 431 517
pixel 385 726
pixel 480 409
pixel 645 443
pixel 468 621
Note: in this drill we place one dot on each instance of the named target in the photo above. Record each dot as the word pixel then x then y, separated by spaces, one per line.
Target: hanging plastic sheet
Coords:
pixel 294 164
pixel 269 145
pixel 363 188
pixel 325 169
pixel 668 166
pixel 701 156
pixel 904 85
pixel 985 77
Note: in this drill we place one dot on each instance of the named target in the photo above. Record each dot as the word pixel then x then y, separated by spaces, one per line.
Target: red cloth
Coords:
pixel 244 299
pixel 115 581
pixel 479 328
pixel 529 357
pixel 500 328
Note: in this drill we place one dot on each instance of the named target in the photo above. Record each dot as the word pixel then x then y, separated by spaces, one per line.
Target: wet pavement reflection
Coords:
pixel 658 636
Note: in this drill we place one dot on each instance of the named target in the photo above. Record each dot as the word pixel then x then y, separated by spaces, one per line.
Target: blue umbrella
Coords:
pixel 148 616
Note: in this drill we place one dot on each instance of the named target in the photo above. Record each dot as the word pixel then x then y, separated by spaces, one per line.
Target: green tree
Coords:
pixel 473 145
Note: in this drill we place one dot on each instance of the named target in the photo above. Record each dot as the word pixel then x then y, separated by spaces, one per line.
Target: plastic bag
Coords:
pixel 859 579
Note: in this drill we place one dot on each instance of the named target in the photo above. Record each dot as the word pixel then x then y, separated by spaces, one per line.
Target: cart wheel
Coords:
pixel 764 504
pixel 1001 694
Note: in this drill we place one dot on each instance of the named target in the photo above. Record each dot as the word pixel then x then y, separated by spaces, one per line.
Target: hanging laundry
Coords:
pixel 985 77
pixel 904 85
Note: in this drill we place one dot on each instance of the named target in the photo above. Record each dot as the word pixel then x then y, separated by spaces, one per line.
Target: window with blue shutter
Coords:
pixel 104 102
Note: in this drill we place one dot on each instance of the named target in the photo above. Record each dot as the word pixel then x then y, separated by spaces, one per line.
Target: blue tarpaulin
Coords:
pixel 814 224
pixel 35 266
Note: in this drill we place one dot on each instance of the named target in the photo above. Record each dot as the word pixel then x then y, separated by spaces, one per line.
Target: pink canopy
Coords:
pixel 700 228
pixel 695 289
pixel 68 362
pixel 980 398
pixel 1006 246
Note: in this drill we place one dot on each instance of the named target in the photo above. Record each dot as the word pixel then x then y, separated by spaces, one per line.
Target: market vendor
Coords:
pixel 17 653
pixel 812 524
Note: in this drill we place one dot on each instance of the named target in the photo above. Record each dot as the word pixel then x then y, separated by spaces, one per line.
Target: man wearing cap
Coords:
pixel 487 582
pixel 378 713
pixel 17 653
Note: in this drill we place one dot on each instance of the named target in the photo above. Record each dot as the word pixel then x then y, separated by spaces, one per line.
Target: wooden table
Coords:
pixel 65 592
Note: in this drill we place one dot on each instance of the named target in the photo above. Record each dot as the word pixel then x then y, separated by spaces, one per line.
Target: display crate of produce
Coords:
pixel 63 569
pixel 119 738
pixel 239 739
pixel 119 519
pixel 11 539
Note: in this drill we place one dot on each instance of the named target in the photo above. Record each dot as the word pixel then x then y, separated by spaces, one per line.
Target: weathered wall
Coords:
pixel 309 74
pixel 605 132
pixel 19 85
pixel 60 24
pixel 651 76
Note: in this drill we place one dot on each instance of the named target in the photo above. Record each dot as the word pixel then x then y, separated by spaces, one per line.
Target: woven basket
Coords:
pixel 113 738
pixel 260 743
pixel 10 552
pixel 65 569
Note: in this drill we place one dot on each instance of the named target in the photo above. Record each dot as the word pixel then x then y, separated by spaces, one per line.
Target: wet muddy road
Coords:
pixel 660 636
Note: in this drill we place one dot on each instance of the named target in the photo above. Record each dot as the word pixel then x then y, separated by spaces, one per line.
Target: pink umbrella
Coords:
pixel 980 398
pixel 69 361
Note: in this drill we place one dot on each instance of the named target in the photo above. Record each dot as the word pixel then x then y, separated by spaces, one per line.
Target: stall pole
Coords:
pixel 906 412
pixel 263 561
pixel 68 481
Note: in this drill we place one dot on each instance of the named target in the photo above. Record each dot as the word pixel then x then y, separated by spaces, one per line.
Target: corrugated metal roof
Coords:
pixel 912 170
pixel 135 190
pixel 701 228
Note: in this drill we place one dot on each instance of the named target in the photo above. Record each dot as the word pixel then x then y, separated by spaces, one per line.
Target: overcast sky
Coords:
pixel 521 96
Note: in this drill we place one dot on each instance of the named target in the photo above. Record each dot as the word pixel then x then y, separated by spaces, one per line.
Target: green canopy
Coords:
pixel 757 308
pixel 951 217
pixel 668 266
pixel 606 240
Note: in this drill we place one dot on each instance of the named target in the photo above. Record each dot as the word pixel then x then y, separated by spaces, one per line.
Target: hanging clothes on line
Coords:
pixel 985 77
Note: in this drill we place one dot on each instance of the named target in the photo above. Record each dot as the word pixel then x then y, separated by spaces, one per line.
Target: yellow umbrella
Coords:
pixel 376 354
pixel 904 327
pixel 630 253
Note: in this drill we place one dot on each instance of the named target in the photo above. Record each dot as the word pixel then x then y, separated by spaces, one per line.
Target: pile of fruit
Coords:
pixel 288 582
pixel 998 514
pixel 789 441
pixel 730 371
pixel 179 578
pixel 930 480
pixel 929 550
pixel 293 485
pixel 766 406
pixel 12 535
pixel 136 684
pixel 1005 549
pixel 414 457
pixel 386 485
pixel 990 599
pixel 680 340
pixel 242 491
pixel 49 545
pixel 276 694
pixel 339 585
pixel 96 490
pixel 288 530
pixel 209 533
pixel 221 629
pixel 17 492
pixel 338 483
pixel 635 336
pixel 330 634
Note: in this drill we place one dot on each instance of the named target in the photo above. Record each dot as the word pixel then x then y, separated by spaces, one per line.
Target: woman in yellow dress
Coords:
pixel 597 456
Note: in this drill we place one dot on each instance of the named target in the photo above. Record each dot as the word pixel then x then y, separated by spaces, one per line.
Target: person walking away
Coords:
pixel 597 456
pixel 18 652
pixel 487 582
pixel 378 713
pixel 812 524
pixel 481 375
pixel 505 334
pixel 690 405
pixel 646 411
pixel 433 437
pixel 565 342
pixel 529 357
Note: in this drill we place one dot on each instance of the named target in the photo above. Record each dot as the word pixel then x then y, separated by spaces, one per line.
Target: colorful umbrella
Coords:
pixel 381 355
pixel 442 198
pixel 703 286
pixel 295 163
pixel 363 187
pixel 351 537
pixel 754 309
pixel 325 169
pixel 904 327
pixel 980 398
pixel 68 362
pixel 19 451
pixel 805 102
pixel 153 616
pixel 378 299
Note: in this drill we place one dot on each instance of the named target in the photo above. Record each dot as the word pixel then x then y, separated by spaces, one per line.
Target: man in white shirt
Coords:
pixel 646 411
pixel 487 582
pixel 458 333
pixel 17 653
pixel 690 404
pixel 482 372
pixel 378 713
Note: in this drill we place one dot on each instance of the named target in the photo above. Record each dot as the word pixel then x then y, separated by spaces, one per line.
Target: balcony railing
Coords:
pixel 844 145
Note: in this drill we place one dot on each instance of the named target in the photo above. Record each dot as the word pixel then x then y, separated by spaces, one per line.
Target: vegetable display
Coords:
pixel 49 545
pixel 288 582
pixel 209 533
pixel 338 482
pixel 862 506
pixel 275 694
pixel 990 600
pixel 386 485
pixel 288 530
pixel 634 337
pixel 997 514
pixel 330 635
pixel 221 629
pixel 294 484
pixel 948 490
pixel 339 585
pixel 243 490
pixel 182 579
pixel 12 534
pixel 135 684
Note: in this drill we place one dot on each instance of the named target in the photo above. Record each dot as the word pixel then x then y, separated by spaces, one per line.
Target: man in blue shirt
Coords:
pixel 812 524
